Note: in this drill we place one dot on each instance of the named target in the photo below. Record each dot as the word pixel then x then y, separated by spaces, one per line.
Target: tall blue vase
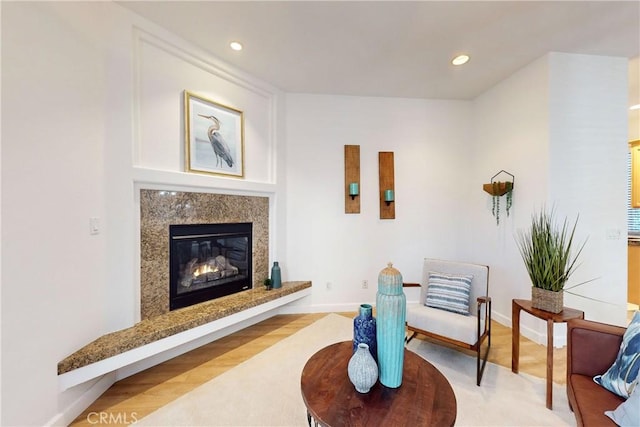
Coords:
pixel 276 279
pixel 391 309
pixel 364 329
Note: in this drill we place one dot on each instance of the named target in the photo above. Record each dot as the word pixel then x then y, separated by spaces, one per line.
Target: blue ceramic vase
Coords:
pixel 391 310
pixel 364 329
pixel 276 279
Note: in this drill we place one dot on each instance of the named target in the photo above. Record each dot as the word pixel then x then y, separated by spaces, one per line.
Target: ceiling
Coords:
pixel 396 48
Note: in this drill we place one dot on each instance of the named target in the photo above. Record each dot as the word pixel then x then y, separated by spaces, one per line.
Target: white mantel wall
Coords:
pixel 53 139
pixel 92 101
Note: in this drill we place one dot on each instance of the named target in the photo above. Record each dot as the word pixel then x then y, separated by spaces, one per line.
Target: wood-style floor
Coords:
pixel 137 396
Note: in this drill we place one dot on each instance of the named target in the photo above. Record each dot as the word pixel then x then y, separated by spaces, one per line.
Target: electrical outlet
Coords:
pixel 329 285
pixel 365 284
pixel 94 225
pixel 614 234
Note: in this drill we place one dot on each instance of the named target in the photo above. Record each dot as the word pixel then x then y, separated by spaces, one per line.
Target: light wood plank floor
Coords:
pixel 137 396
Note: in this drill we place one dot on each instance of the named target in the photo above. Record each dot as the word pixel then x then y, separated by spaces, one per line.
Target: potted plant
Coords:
pixel 549 253
pixel 498 189
pixel 267 283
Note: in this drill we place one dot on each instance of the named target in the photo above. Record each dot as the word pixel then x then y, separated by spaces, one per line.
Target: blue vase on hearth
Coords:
pixel 364 329
pixel 391 309
pixel 276 279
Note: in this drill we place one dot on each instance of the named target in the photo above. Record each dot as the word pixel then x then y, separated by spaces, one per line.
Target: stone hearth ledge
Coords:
pixel 174 322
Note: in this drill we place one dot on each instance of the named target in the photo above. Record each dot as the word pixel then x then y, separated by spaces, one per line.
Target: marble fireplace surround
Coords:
pixel 159 209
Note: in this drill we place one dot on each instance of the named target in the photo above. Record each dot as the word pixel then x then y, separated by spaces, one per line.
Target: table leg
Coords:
pixel 515 337
pixel 549 363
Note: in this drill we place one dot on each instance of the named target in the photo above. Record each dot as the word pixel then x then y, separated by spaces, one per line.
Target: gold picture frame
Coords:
pixel 214 137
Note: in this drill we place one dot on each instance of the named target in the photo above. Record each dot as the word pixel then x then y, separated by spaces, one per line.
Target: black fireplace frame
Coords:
pixel 179 232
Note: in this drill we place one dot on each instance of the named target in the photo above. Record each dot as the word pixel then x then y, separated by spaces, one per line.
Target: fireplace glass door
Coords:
pixel 208 261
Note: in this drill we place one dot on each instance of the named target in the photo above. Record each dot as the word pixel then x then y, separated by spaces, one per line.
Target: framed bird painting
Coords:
pixel 214 137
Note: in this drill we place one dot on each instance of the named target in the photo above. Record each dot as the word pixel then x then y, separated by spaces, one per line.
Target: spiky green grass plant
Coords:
pixel 547 250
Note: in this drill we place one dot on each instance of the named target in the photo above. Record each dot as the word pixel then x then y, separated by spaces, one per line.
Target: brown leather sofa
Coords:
pixel 592 348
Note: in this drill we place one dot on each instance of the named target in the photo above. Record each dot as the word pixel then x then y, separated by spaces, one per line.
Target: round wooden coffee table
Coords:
pixel 425 397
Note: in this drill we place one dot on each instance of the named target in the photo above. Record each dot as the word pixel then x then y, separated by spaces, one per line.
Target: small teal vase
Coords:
pixel 276 279
pixel 391 309
pixel 364 330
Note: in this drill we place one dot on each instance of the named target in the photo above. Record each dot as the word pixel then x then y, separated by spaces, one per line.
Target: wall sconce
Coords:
pixel 353 190
pixel 351 179
pixel 388 196
pixel 386 185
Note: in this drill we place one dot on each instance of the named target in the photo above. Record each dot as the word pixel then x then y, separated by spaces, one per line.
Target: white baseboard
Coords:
pixel 70 413
pixel 559 339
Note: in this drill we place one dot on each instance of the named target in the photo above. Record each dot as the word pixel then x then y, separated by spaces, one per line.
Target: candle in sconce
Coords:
pixel 388 195
pixel 353 189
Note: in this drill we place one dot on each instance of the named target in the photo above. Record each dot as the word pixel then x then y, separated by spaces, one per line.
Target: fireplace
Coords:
pixel 208 261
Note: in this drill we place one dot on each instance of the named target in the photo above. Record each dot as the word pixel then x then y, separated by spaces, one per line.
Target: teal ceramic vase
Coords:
pixel 276 279
pixel 391 311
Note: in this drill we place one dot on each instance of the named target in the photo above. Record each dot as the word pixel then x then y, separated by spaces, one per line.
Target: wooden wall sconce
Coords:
pixel 352 189
pixel 387 185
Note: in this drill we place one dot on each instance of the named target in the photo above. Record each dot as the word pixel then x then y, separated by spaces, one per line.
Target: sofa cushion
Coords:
pixel 622 376
pixel 444 323
pixel 590 401
pixel 448 292
pixel 628 413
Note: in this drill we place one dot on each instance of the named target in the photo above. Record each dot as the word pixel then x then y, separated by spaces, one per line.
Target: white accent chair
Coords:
pixel 466 331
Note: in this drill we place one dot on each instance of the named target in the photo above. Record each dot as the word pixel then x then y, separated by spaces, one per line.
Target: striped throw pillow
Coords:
pixel 448 292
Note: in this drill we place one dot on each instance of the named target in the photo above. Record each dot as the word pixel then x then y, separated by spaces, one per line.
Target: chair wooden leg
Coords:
pixel 480 369
pixel 410 337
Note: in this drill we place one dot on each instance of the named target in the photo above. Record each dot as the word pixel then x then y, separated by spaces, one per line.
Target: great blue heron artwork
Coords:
pixel 219 145
pixel 214 137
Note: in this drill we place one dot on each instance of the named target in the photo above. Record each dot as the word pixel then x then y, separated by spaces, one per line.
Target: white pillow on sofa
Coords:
pixel 627 414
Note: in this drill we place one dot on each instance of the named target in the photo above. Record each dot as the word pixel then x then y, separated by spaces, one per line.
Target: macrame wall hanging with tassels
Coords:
pixel 498 189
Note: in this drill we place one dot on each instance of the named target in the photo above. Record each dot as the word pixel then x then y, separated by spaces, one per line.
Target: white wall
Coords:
pixel 79 83
pixel 634 98
pixel 588 173
pixel 559 126
pixel 554 127
pixel 511 134
pixel 430 141
pixel 53 137
pixel 92 106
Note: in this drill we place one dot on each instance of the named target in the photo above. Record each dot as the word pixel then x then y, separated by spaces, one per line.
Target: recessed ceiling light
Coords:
pixel 460 59
pixel 635 107
pixel 235 45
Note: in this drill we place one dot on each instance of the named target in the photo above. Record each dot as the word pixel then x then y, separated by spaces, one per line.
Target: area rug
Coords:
pixel 265 390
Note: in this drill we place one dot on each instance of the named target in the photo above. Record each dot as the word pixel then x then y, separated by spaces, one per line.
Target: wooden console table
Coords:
pixel 521 304
pixel 425 397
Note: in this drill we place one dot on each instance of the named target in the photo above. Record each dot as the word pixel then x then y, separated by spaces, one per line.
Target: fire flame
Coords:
pixel 204 269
